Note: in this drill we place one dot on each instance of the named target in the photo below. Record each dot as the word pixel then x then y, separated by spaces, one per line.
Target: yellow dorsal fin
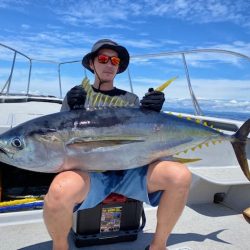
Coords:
pixel 120 103
pixel 117 102
pixel 165 84
pixel 112 101
pixel 85 82
pixel 98 99
pixel 105 100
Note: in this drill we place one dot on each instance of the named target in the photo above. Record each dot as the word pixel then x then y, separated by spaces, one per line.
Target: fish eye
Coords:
pixel 16 142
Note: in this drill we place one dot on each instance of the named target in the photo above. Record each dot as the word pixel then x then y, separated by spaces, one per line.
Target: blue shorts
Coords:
pixel 131 183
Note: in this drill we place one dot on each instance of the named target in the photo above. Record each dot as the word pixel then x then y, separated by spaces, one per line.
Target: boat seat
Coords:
pixel 221 175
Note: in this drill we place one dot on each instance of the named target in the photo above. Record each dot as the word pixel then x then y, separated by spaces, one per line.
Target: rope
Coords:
pixel 18 202
pixel 36 204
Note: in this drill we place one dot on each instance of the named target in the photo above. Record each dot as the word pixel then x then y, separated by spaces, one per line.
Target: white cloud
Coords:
pixel 140 43
pixel 18 5
pixel 50 45
pixel 206 57
pixel 58 45
pixel 122 13
pixel 200 11
pixel 25 26
pixel 95 13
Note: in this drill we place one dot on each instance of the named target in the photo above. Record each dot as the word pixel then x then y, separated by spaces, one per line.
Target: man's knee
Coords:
pixel 68 188
pixel 166 175
pixel 182 177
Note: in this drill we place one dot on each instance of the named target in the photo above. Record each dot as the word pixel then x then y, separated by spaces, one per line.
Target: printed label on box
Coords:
pixel 110 219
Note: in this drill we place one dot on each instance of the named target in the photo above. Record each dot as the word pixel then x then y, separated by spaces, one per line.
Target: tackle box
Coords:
pixel 116 219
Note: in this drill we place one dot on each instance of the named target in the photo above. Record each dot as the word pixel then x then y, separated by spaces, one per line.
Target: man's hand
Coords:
pixel 76 98
pixel 153 100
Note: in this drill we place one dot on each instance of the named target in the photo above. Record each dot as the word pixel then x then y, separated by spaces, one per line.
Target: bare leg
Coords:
pixel 67 189
pixel 174 179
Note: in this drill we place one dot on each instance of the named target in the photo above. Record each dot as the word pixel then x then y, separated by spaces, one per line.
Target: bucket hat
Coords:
pixel 107 44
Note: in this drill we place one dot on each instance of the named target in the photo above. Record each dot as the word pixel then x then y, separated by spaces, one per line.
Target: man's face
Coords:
pixel 106 71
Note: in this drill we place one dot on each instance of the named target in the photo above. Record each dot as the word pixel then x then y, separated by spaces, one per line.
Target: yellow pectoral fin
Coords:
pixel 184 160
pixel 97 171
pixel 246 213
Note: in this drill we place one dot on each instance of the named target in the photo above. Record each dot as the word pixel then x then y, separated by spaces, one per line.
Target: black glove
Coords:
pixel 76 98
pixel 153 100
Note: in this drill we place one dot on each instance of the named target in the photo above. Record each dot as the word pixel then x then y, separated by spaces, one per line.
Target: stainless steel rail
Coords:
pixel 6 87
pixel 196 105
pixel 181 54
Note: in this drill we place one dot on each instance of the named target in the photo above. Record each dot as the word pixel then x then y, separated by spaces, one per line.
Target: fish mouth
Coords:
pixel 6 152
pixel 3 151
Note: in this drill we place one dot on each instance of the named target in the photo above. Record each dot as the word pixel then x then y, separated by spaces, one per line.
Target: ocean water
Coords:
pixel 229 109
pixel 239 116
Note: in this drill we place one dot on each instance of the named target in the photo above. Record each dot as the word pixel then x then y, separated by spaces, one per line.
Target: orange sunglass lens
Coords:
pixel 115 60
pixel 104 59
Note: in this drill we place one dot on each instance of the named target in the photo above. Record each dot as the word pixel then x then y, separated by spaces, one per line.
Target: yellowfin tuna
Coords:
pixel 108 139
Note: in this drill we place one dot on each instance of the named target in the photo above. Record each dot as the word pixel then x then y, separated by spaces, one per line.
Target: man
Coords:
pixel 161 183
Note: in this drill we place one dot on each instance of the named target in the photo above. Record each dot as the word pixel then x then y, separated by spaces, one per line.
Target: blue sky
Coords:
pixel 66 30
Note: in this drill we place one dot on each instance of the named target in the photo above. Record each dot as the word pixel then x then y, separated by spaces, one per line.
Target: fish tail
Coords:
pixel 239 145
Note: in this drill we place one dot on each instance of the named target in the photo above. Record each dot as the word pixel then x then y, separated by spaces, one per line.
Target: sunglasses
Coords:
pixel 104 59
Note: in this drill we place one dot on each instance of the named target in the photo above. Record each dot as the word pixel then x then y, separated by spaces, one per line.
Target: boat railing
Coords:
pixel 5 89
pixel 183 54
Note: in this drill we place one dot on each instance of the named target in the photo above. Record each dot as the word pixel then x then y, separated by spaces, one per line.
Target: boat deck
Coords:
pixel 201 227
